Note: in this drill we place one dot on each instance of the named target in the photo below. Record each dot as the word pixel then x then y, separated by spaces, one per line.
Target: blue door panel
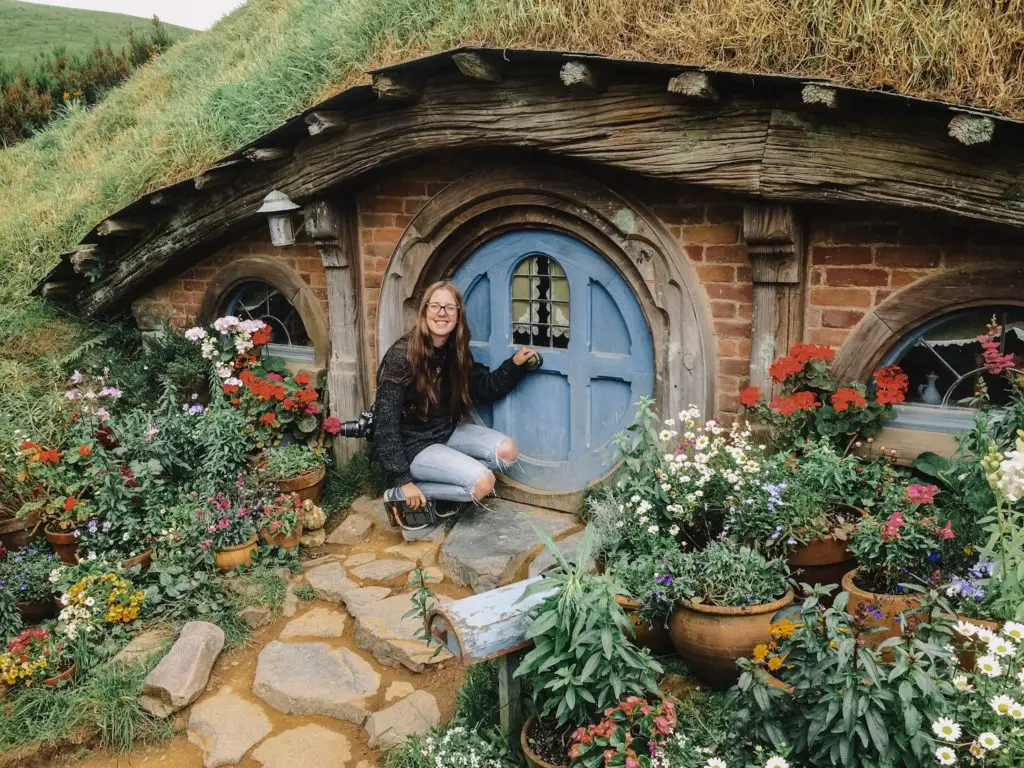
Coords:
pixel 565 415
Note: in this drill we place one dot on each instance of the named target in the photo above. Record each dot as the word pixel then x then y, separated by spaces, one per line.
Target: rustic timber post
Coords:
pixel 776 248
pixel 332 227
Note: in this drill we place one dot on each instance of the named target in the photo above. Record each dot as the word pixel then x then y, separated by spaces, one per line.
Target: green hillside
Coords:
pixel 27 29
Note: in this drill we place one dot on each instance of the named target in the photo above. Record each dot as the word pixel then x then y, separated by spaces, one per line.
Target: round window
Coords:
pixel 258 300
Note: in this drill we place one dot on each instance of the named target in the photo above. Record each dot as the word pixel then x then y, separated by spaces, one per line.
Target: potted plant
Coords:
pixel 582 662
pixel 35 656
pixel 906 544
pixel 297 468
pixel 26 573
pixel 631 733
pixel 727 596
pixel 279 522
pixel 647 580
pixel 231 527
pixel 99 603
pixel 812 404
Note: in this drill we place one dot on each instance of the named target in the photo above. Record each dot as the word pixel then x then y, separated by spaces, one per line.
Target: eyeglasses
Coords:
pixel 442 309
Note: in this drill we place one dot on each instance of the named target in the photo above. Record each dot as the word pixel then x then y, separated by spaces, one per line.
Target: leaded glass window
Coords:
pixel 540 303
pixel 258 300
pixel 943 357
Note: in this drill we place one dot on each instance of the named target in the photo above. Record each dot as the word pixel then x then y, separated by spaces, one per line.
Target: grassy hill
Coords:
pixel 27 29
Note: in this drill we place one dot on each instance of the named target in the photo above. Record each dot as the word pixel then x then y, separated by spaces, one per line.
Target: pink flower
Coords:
pixel 223 523
pixel 332 425
pixel 632 762
pixel 922 494
pixel 275 377
pixel 947 532
pixel 212 529
pixel 206 543
pixel 891 529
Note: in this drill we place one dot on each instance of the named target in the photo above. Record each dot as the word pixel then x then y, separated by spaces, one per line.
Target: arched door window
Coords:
pixel 259 300
pixel 943 359
pixel 540 303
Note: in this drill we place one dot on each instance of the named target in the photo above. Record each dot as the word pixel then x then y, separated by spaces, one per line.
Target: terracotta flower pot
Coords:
pixel 14 532
pixel 37 611
pixel 280 540
pixel 307 486
pixel 144 560
pixel 232 557
pixel 531 756
pixel 710 638
pixel 67 674
pixel 645 635
pixel 823 560
pixel 64 544
pixel 873 609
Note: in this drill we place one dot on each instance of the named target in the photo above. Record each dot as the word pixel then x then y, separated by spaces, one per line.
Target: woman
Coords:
pixel 426 386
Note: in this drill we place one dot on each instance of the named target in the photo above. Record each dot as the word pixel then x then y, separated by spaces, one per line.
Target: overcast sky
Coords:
pixel 196 14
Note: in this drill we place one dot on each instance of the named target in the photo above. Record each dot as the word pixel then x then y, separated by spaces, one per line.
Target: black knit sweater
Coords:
pixel 398 432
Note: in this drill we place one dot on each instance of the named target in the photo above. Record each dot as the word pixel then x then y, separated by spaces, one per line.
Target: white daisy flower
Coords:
pixel 945 756
pixel 1017 712
pixel 999 646
pixel 1002 704
pixel 715 762
pixel 989 666
pixel 984 634
pixel 976 750
pixel 962 684
pixel 946 729
pixel 1014 630
pixel 652 529
pixel 989 740
pixel 965 628
pixel 776 762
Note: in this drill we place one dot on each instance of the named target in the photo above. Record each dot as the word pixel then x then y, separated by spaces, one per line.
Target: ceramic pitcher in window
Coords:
pixel 929 393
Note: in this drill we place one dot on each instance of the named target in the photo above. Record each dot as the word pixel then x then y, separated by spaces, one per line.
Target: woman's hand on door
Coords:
pixel 413 496
pixel 524 354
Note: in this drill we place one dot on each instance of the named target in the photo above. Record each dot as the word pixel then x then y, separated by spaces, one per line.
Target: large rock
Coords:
pixel 313 539
pixel 424 552
pixel 225 726
pixel 319 622
pixel 182 674
pixel 382 570
pixel 416 713
pixel 360 558
pixel 371 507
pixel 311 745
pixel 488 547
pixel 432 533
pixel 142 646
pixel 398 690
pixel 567 547
pixel 330 582
pixel 364 599
pixel 315 679
pixel 290 606
pixel 353 530
pixel 392 639
pixel 256 616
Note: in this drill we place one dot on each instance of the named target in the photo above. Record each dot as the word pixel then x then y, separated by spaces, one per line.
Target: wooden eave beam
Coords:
pixel 693 85
pixel 58 289
pixel 119 227
pixel 397 86
pixel 218 174
pixel 83 259
pixel 749 148
pixel 582 74
pixel 267 154
pixel 480 66
pixel 323 122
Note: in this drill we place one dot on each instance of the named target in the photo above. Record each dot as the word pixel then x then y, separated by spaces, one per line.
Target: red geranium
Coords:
pixel 750 396
pixel 84 450
pixel 69 503
pixel 302 379
pixel 268 418
pixel 262 336
pixel 332 425
pixel 51 456
pixel 784 367
pixel 230 389
pixel 804 353
pixel 892 384
pixel 844 397
pixel 788 405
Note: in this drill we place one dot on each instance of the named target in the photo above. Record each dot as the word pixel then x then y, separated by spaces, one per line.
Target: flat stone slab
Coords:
pixel 330 582
pixel 319 622
pixel 487 547
pixel 567 547
pixel 371 507
pixel 382 570
pixel 225 726
pixel 290 606
pixel 182 674
pixel 416 713
pixel 360 558
pixel 434 533
pixel 315 679
pixel 256 616
pixel 311 745
pixel 392 639
pixel 424 551
pixel 398 690
pixel 353 530
pixel 142 646
pixel 362 600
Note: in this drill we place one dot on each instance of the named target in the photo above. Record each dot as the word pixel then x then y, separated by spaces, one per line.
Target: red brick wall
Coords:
pixel 181 297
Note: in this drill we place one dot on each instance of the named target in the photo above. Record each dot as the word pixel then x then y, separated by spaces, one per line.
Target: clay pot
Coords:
pixel 823 560
pixel 37 611
pixel 965 651
pixel 307 486
pixel 280 540
pixel 144 560
pixel 14 532
pixel 531 758
pixel 890 607
pixel 64 544
pixel 67 674
pixel 710 638
pixel 232 557
pixel 645 635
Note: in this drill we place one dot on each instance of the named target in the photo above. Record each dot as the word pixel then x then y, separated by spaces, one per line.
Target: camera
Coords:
pixel 361 427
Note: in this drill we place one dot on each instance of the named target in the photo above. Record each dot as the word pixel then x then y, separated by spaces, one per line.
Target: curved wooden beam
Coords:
pixel 744 146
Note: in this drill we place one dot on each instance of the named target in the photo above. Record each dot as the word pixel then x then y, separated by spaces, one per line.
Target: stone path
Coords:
pixel 324 684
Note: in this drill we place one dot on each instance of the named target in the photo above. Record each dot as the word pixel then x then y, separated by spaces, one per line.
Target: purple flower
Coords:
pixel 664 580
pixel 113 392
pixel 195 409
pixel 933 556
pixel 76 377
pixel 71 394
pixel 875 612
pixel 102 414
pixel 92 526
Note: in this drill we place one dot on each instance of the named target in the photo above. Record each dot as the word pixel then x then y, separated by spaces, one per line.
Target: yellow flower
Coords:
pixel 774 663
pixel 760 652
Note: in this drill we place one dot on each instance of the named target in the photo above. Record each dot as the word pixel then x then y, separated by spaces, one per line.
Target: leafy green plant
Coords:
pixel 305 592
pixel 582 660
pixel 729 575
pixel 25 573
pixel 649 579
pixel 423 602
pixel 847 703
pixel 284 461
pixel 281 516
pixel 453 747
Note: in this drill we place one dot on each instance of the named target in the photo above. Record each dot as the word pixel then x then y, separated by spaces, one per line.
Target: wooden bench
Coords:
pixel 492 625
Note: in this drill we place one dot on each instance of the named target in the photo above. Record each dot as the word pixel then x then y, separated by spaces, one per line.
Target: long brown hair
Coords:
pixel 458 362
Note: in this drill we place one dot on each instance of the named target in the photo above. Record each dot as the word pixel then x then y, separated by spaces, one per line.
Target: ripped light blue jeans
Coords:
pixel 449 471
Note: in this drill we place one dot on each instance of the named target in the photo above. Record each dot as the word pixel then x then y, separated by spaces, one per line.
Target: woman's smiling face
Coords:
pixel 442 313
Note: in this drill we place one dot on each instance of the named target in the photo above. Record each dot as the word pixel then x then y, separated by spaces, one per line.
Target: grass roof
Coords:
pixel 272 58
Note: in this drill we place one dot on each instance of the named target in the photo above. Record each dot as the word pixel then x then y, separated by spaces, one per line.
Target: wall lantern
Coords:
pixel 280 211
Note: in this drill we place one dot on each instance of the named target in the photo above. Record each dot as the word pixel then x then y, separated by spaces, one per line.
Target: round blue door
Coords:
pixel 551 292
